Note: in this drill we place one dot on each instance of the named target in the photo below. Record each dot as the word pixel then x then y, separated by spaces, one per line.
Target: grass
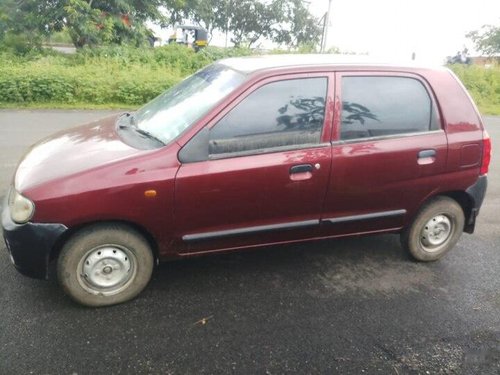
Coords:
pixel 489 109
pixel 56 105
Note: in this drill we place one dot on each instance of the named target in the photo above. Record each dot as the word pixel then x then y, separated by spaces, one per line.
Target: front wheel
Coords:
pixel 435 230
pixel 105 264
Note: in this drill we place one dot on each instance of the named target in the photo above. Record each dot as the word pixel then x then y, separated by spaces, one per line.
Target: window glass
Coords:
pixel 378 106
pixel 280 114
pixel 170 113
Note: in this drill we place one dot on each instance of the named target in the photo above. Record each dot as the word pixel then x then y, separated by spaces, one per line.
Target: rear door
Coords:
pixel 387 149
pixel 267 170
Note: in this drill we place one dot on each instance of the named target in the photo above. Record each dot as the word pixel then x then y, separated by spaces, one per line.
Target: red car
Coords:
pixel 250 152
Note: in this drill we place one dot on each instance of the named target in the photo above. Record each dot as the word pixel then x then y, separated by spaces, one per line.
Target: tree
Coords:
pixel 296 26
pixel 246 20
pixel 4 16
pixel 19 29
pixel 487 40
pixel 209 14
pixel 250 20
pixel 283 21
pixel 88 22
pixel 3 23
pixel 176 10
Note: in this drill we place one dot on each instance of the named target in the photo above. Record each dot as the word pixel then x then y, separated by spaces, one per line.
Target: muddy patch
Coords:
pixel 438 358
pixel 373 277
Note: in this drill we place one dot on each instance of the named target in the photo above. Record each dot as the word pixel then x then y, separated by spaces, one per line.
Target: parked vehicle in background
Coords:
pixel 250 152
pixel 461 57
pixel 195 36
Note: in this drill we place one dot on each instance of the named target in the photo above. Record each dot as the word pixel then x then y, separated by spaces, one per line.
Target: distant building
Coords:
pixel 485 60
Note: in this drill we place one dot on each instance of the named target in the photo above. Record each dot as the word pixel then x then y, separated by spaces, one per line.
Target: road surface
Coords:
pixel 347 306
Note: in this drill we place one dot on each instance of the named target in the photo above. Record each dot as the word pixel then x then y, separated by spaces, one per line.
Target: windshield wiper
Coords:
pixel 142 132
pixel 132 125
pixel 148 135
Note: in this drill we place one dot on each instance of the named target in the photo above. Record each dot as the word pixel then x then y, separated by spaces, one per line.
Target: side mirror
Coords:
pixel 196 149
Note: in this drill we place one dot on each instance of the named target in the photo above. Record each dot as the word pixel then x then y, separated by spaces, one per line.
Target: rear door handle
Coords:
pixel 426 157
pixel 426 154
pixel 302 168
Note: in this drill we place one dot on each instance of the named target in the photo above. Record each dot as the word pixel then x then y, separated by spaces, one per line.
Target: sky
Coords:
pixel 433 29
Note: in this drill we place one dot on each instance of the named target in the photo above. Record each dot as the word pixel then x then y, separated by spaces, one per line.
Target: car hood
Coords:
pixel 70 152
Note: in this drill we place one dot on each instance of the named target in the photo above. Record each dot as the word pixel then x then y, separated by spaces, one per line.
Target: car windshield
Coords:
pixel 169 114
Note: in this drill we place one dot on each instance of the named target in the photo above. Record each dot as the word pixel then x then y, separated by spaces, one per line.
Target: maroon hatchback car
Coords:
pixel 250 152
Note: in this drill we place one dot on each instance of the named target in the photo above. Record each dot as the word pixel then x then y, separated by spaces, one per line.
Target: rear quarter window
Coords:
pixel 375 106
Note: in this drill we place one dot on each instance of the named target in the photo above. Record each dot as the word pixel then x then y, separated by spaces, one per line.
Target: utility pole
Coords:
pixel 227 20
pixel 326 24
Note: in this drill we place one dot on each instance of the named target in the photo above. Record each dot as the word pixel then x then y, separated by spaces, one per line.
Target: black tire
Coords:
pixel 435 230
pixel 105 264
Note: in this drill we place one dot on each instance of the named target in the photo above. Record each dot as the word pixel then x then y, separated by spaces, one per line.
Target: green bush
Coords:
pixel 127 76
pixel 116 75
pixel 93 85
pixel 483 84
pixel 60 37
pixel 18 44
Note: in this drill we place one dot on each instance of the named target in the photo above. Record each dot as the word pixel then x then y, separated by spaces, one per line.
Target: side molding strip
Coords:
pixel 285 226
pixel 249 230
pixel 374 215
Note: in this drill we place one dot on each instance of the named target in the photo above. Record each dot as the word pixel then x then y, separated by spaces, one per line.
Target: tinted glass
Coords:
pixel 280 114
pixel 378 106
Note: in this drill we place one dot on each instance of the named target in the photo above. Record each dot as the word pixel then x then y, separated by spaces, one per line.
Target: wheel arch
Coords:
pixel 56 250
pixel 465 201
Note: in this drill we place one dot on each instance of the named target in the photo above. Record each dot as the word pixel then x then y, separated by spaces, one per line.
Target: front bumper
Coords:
pixel 29 245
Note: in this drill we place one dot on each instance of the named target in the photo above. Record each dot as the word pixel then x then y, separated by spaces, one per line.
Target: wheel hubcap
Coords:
pixel 436 232
pixel 106 269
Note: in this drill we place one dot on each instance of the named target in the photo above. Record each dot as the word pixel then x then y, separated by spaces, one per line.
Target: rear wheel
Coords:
pixel 105 264
pixel 435 230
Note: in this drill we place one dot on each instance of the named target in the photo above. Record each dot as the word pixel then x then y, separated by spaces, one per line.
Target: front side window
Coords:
pixel 283 114
pixel 379 106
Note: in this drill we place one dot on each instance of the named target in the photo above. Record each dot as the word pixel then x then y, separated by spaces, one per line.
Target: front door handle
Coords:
pixel 301 172
pixel 302 168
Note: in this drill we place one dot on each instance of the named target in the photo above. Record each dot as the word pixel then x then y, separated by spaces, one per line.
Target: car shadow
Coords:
pixel 291 265
pixel 316 268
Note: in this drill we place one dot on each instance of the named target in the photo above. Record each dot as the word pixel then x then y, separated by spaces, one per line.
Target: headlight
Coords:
pixel 21 208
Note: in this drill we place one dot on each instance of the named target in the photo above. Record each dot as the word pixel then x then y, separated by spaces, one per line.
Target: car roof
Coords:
pixel 251 64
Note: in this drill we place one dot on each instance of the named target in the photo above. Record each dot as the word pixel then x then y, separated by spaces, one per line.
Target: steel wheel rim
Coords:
pixel 107 269
pixel 436 232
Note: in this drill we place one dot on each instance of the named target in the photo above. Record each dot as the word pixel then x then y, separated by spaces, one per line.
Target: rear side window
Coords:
pixel 380 106
pixel 283 114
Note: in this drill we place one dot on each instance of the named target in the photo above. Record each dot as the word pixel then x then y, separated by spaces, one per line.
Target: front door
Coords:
pixel 267 170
